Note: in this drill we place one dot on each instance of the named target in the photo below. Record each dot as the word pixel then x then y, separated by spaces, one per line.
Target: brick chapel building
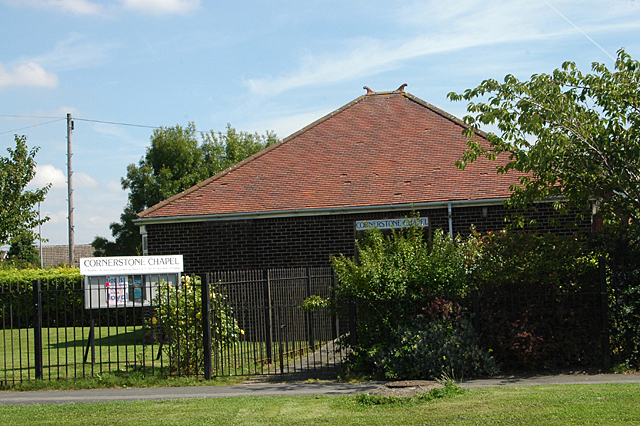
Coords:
pixel 297 202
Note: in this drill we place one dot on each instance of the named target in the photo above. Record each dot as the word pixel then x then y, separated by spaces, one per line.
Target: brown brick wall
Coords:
pixel 305 241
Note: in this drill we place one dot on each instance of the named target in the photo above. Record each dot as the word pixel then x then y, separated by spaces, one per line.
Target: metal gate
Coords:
pixel 279 337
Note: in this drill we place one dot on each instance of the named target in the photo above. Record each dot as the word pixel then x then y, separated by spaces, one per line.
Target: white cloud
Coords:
pixel 30 74
pixel 161 6
pixel 78 7
pixel 74 53
pixel 371 57
pixel 58 217
pixel 99 221
pixel 83 180
pixel 59 112
pixel 47 174
pixel 114 187
pixel 86 7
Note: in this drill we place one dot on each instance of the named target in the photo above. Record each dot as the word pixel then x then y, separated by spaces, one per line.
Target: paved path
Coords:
pixel 562 379
pixel 277 389
pixel 144 394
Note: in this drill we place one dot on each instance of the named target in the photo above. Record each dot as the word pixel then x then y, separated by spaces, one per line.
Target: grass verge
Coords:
pixel 611 404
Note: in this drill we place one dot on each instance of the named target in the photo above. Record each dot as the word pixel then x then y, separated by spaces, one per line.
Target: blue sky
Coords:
pixel 260 66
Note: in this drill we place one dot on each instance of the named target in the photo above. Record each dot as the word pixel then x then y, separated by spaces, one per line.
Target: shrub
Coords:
pixel 625 318
pixel 531 314
pixel 430 349
pixel 389 282
pixel 542 332
pixel 520 261
pixel 539 296
pixel 62 295
pixel 621 244
pixel 440 341
pixel 393 274
pixel 179 317
pixel 404 266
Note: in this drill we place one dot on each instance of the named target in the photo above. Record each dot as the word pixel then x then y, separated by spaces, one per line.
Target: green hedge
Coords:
pixel 62 296
pixel 15 275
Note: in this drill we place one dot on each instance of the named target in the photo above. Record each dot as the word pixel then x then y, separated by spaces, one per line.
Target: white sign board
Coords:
pixel 363 225
pixel 101 266
pixel 127 281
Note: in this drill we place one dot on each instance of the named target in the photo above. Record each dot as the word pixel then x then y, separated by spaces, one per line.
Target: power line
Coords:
pixel 115 123
pixel 25 116
pixel 29 127
pixel 75 119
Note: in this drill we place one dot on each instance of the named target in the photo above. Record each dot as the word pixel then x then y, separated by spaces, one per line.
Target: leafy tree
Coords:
pixel 175 161
pixel 223 150
pixel 103 247
pixel 18 216
pixel 23 250
pixel 575 137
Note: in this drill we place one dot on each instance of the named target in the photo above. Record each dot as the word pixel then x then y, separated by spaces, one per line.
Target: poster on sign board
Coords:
pixel 116 292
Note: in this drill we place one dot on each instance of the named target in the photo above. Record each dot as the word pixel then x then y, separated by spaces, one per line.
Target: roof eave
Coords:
pixel 319 211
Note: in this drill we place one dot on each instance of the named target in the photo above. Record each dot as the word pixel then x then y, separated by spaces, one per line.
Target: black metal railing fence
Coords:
pixel 51 330
pixel 48 334
pixel 251 322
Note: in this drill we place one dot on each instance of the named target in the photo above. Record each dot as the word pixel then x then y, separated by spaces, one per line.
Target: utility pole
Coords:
pixel 70 187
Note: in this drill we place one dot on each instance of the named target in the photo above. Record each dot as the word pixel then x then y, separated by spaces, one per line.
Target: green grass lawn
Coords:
pixel 122 349
pixel 116 348
pixel 611 404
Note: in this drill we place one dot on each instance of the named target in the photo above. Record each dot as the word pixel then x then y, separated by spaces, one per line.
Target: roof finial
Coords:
pixel 401 88
pixel 369 91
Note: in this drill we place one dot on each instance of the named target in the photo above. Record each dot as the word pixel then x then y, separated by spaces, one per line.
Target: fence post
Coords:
pixel 281 339
pixel 91 341
pixel 604 305
pixel 267 316
pixel 310 313
pixel 475 308
pixel 206 326
pixel 37 327
pixel 335 324
pixel 353 340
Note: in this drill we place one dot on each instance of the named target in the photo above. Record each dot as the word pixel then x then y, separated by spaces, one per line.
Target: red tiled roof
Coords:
pixel 381 149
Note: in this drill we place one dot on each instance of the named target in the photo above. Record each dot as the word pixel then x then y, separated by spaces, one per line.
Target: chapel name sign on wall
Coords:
pixel 127 281
pixel 397 223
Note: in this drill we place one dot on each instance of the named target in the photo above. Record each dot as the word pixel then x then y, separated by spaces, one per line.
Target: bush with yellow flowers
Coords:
pixel 178 316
